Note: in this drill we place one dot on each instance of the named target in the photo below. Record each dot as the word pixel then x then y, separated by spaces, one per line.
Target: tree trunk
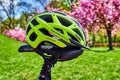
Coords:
pixel 93 38
pixel 110 39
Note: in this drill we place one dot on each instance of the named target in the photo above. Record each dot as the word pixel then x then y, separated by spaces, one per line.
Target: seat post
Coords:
pixel 45 73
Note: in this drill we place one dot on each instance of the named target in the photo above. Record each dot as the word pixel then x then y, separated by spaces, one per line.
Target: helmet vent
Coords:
pixel 78 32
pixel 76 22
pixel 72 37
pixel 46 43
pixel 44 31
pixel 33 36
pixel 34 22
pixel 47 18
pixel 59 30
pixel 28 29
pixel 64 22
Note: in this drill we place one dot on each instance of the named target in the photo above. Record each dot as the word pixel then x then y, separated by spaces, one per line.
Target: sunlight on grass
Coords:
pixel 97 64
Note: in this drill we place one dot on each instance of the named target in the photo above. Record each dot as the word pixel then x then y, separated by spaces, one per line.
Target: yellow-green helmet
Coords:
pixel 54 28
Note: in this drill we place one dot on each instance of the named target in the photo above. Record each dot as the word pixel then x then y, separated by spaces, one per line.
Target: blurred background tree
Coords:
pixel 20 10
pixel 8 8
pixel 65 4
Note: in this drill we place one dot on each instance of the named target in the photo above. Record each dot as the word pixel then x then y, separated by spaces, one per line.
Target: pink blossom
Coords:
pixel 115 31
pixel 16 34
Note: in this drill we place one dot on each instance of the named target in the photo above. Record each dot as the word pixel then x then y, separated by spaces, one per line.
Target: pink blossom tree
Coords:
pixel 96 14
pixel 93 13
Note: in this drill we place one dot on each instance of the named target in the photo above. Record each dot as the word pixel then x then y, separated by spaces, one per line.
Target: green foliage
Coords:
pixel 23 20
pixel 118 38
pixel 97 64
pixel 65 4
pixel 7 25
pixel 100 38
pixel 104 39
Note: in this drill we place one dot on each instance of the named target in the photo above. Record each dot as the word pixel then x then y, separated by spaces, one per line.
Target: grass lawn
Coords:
pixel 97 64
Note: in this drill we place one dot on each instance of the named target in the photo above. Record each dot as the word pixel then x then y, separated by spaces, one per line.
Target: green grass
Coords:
pixel 97 64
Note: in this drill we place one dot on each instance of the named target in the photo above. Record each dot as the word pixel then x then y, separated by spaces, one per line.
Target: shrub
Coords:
pixel 17 34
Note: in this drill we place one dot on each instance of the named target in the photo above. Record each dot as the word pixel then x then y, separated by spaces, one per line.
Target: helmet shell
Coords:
pixel 54 28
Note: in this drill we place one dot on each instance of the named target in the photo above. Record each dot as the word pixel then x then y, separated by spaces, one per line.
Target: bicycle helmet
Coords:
pixel 54 28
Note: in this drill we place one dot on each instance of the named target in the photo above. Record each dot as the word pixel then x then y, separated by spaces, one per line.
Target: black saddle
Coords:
pixel 64 54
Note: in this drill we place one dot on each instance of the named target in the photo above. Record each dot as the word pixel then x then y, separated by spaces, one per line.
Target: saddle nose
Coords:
pixel 25 48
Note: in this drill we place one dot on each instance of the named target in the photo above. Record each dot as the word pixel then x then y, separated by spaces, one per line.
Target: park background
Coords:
pixel 99 18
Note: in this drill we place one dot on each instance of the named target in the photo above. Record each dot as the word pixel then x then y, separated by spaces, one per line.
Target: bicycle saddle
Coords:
pixel 64 54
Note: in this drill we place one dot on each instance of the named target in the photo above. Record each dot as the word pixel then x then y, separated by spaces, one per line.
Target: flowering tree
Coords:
pixel 96 14
pixel 93 13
